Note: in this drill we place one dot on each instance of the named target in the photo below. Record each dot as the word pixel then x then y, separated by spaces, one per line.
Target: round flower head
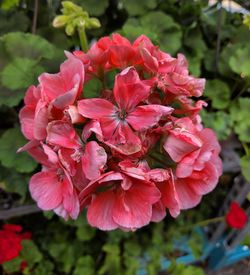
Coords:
pixel 132 153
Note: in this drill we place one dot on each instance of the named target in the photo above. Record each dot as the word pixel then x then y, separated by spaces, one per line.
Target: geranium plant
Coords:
pixel 128 154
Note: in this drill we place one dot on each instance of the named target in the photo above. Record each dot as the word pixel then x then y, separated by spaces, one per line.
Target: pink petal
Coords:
pixel 74 115
pixel 32 96
pixel 92 127
pixel 178 147
pixel 51 155
pixel 52 85
pixel 130 211
pixel 70 77
pixel 62 134
pixel 150 62
pixel 95 108
pixel 26 116
pixel 66 99
pixel 144 117
pixel 188 197
pixel 102 181
pixel 46 190
pixel 72 71
pixel 40 121
pixel 169 196
pixel 100 211
pixel 71 204
pixel 124 140
pixel 129 90
pixel 203 182
pixel 120 55
pixel 131 170
pixel 186 166
pixel 108 126
pixel 93 160
pixel 158 212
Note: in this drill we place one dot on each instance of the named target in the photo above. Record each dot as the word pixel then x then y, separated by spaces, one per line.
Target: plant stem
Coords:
pixel 206 222
pixel 34 23
pixel 83 39
pixel 218 41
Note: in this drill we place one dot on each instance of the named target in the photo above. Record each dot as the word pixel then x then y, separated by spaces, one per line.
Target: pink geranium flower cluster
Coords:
pixel 129 155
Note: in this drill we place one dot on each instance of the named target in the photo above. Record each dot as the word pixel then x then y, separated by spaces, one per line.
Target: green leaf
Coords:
pixel 245 167
pixel 94 7
pixel 11 97
pixel 85 233
pixel 8 4
pixel 159 27
pixel 92 88
pixel 239 112
pixel 14 182
pixel 239 61
pixel 219 92
pixel 13 265
pixel 20 73
pixel 10 142
pixel 13 21
pixel 30 253
pixel 112 262
pixel 44 268
pixel 4 58
pixel 64 254
pixel 26 45
pixel 168 31
pixel 132 29
pixel 138 7
pixel 220 122
pixel 85 265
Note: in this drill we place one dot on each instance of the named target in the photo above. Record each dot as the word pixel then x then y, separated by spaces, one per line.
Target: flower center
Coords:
pixel 122 115
pixel 60 174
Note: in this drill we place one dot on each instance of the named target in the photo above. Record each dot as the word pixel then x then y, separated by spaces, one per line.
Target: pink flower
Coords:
pixel 52 99
pixel 179 82
pixel 116 121
pixel 126 204
pixel 52 188
pixel 107 153
pixel 198 164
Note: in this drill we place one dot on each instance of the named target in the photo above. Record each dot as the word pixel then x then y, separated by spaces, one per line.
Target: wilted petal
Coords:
pixel 124 140
pixel 62 134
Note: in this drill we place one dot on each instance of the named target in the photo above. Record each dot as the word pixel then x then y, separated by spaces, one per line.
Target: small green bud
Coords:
pixel 60 21
pixel 70 29
pixel 80 22
pixel 94 23
pixel 69 7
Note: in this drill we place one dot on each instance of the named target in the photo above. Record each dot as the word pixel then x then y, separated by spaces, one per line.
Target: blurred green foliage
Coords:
pixel 219 52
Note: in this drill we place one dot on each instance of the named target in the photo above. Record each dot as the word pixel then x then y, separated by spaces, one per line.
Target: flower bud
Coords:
pixel 60 21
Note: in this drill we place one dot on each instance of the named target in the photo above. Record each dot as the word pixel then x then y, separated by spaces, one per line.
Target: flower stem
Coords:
pixel 209 221
pixel 83 39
